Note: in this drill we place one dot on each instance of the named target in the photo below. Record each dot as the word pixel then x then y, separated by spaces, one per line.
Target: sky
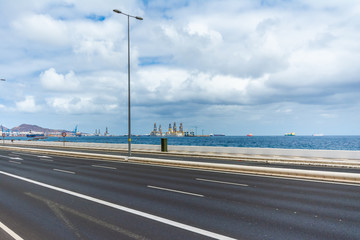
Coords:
pixel 265 67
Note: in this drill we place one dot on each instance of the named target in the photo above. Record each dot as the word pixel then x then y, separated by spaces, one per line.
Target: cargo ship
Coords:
pixel 35 135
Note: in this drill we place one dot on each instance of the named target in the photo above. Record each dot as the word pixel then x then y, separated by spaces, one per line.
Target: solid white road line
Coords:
pixel 44 157
pixel 215 181
pixel 64 171
pixel 10 232
pixel 100 166
pixel 177 191
pixel 125 209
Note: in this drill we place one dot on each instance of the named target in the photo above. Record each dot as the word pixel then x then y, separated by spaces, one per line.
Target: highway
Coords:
pixel 52 197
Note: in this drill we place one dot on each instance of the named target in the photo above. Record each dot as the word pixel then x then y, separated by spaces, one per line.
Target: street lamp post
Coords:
pixel 3 134
pixel 129 112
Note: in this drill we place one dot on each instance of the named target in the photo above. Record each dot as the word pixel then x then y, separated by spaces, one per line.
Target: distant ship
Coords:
pixel 31 135
pixel 318 134
pixel 217 135
pixel 290 134
pixel 249 135
pixel 35 135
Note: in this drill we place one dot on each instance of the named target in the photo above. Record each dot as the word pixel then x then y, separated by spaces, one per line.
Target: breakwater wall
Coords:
pixel 206 150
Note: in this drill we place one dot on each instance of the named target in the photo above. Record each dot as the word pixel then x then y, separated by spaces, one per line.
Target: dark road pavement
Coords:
pixel 51 197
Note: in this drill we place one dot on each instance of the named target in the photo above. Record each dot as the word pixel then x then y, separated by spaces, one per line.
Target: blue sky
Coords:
pixel 233 67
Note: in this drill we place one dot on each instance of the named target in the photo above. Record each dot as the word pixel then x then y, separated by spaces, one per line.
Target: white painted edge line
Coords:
pixel 10 232
pixel 44 157
pixel 125 209
pixel 100 166
pixel 215 181
pixel 15 162
pixel 177 191
pixel 64 171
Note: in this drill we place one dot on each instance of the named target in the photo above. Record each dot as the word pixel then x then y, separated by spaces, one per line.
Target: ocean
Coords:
pixel 287 142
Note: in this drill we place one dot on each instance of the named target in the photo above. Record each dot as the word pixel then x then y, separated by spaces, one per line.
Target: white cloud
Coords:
pixel 51 80
pixel 28 105
pixel 81 105
pixel 190 56
pixel 43 29
pixel 163 85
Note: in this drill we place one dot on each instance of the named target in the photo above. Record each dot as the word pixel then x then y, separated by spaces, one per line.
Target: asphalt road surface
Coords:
pixel 202 158
pixel 48 197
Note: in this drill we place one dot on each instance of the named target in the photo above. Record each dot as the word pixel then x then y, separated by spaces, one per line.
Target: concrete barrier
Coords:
pixel 284 172
pixel 314 153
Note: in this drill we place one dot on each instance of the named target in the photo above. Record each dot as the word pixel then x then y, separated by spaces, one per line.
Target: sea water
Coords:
pixel 286 142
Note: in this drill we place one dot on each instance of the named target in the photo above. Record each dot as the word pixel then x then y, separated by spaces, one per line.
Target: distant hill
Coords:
pixel 34 128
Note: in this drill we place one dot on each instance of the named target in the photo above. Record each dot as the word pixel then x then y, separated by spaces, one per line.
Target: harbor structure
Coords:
pixel 155 131
pixel 172 131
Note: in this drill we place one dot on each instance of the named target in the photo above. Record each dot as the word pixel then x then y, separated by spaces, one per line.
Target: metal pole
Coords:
pixel 129 112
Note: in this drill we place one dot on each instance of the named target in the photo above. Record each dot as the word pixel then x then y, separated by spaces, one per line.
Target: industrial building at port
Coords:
pixel 172 131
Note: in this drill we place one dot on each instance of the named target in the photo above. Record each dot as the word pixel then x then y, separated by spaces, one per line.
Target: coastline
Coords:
pixel 351 143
